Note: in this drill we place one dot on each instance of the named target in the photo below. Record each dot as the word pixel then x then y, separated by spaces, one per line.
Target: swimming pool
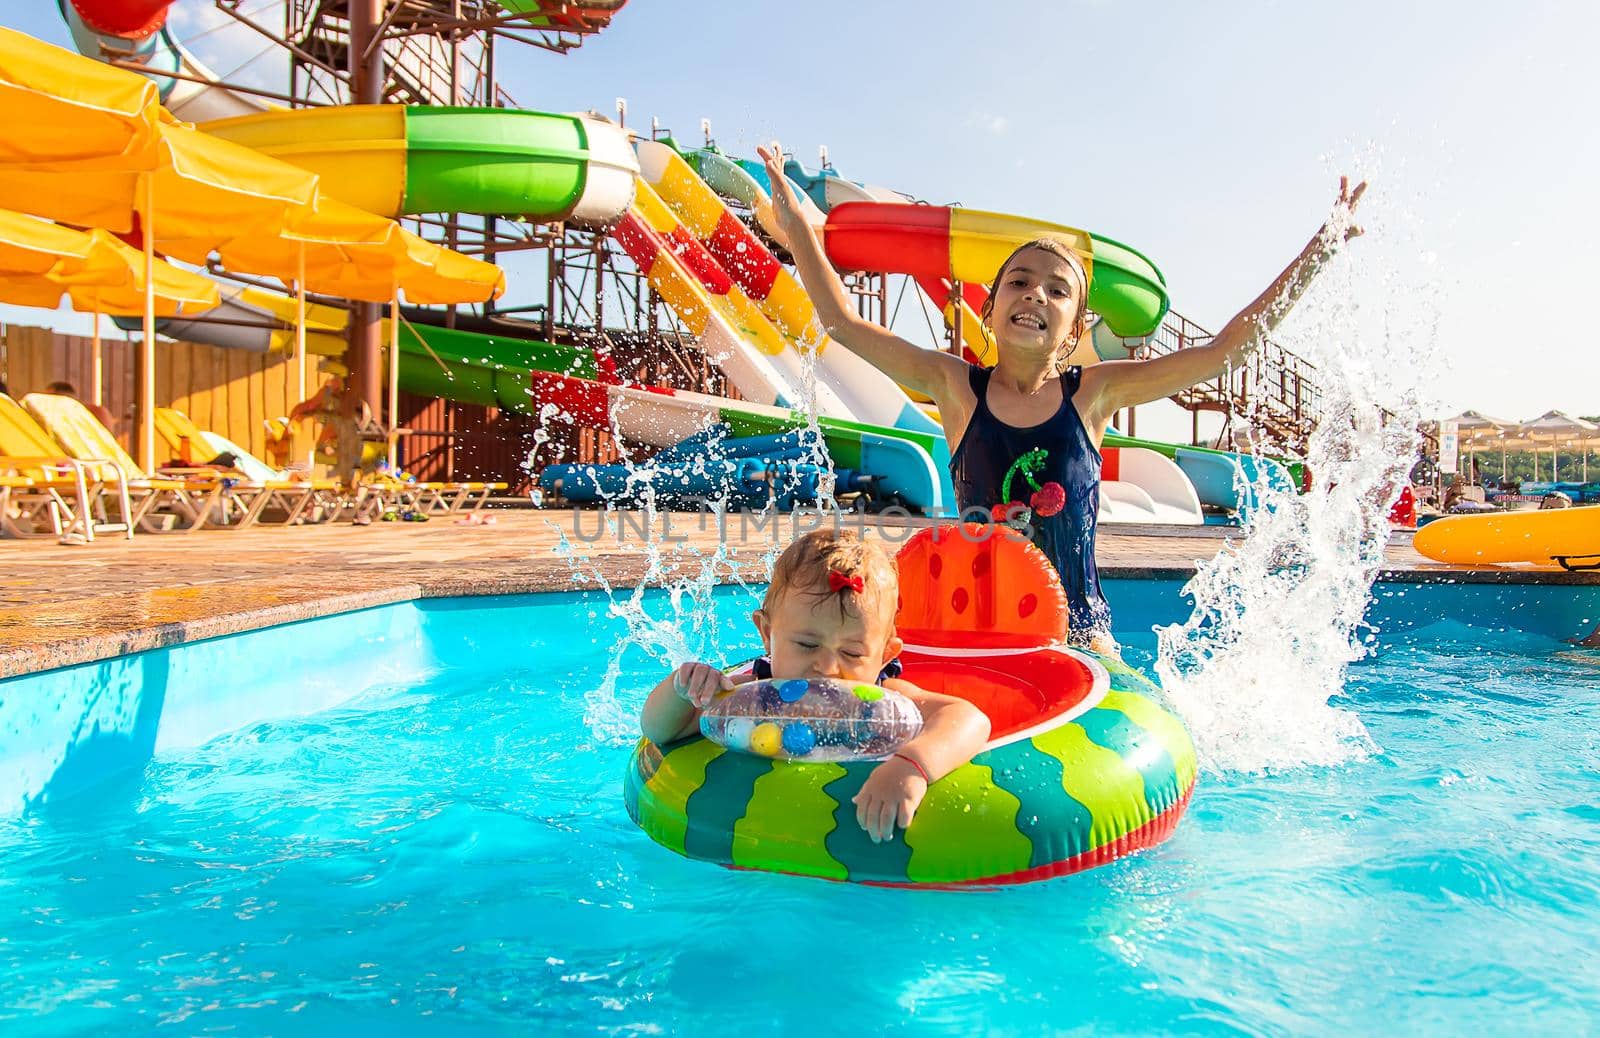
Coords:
pixel 432 838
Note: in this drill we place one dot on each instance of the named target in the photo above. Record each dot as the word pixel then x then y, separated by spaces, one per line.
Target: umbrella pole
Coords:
pixel 97 376
pixel 300 342
pixel 147 370
pixel 394 381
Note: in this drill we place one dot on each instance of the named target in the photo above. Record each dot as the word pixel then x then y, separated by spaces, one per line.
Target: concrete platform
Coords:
pixel 61 605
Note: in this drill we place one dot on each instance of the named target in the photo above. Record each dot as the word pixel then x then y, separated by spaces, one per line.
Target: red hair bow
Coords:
pixel 839 582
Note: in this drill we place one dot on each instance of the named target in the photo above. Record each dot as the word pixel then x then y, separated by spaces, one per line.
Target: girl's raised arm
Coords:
pixel 926 371
pixel 1113 385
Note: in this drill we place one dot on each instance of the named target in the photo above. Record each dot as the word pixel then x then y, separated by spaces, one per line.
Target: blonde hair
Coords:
pixel 804 567
pixel 1080 322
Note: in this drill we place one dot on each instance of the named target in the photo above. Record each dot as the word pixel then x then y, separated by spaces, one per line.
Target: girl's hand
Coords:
pixel 1342 226
pixel 785 203
pixel 890 796
pixel 698 683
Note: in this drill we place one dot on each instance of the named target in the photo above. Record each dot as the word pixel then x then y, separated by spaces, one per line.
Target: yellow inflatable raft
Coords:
pixel 1568 537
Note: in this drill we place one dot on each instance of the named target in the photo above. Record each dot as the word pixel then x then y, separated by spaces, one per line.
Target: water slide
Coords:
pixel 138 28
pixel 767 368
pixel 401 160
pixel 732 331
pixel 867 394
pixel 498 362
pixel 257 321
pixel 398 160
pixel 1222 479
pixel 745 181
pixel 192 93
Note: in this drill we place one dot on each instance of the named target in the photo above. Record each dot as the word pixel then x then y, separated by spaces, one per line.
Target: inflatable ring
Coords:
pixel 1083 765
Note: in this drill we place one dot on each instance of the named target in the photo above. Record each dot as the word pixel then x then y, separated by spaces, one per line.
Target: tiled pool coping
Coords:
pixel 61 606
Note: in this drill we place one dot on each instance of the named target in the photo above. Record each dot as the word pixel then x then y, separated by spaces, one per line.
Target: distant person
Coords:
pixel 1555 499
pixel 68 389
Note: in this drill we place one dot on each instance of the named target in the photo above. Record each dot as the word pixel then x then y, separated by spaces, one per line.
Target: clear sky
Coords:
pixel 1210 136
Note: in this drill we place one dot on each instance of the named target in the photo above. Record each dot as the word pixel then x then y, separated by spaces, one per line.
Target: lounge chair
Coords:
pixel 46 487
pixel 189 497
pixel 374 494
pixel 257 491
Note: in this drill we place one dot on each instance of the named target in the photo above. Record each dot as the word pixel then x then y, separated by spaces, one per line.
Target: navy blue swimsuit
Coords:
pixel 1055 472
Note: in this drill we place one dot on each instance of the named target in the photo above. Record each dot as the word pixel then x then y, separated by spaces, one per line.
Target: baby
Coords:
pixel 829 613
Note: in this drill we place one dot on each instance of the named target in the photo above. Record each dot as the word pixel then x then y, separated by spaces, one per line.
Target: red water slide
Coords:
pixel 130 19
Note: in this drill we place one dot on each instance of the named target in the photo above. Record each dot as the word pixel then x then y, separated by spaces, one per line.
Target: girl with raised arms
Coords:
pixel 1031 408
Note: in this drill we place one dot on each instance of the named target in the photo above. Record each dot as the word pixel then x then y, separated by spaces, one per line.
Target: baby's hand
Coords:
pixel 699 683
pixel 891 794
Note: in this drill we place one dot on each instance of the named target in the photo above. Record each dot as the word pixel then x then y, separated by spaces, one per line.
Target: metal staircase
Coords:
pixel 1274 393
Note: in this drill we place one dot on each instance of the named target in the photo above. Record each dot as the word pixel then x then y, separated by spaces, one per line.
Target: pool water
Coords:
pixel 451 855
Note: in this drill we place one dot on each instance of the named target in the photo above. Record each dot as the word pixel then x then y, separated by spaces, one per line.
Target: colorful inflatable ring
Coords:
pixel 1083 766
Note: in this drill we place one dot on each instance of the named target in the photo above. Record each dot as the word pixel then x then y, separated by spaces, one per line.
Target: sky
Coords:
pixel 1209 136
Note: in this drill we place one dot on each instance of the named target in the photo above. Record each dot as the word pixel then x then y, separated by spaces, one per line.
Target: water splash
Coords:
pixel 1257 670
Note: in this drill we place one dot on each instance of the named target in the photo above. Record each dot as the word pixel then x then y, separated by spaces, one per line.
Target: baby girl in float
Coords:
pixel 829 614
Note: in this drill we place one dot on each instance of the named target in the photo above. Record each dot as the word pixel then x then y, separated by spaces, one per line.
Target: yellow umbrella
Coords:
pixel 426 273
pixel 96 151
pixel 205 190
pixel 442 276
pixel 40 260
pixel 201 192
pixel 339 250
pixel 98 273
pixel 30 247
pixel 63 107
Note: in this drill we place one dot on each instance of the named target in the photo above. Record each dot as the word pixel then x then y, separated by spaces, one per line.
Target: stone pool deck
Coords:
pixel 61 605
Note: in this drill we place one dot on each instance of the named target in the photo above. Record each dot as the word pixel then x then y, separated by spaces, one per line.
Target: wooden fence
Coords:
pixel 233 392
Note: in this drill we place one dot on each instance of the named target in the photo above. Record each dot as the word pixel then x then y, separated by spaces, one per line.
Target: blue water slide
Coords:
pixel 1230 481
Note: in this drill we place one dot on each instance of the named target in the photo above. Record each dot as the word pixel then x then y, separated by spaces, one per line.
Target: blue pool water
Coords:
pixel 448 853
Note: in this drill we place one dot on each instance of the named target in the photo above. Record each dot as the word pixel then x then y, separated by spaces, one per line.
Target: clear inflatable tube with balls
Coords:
pixel 817 720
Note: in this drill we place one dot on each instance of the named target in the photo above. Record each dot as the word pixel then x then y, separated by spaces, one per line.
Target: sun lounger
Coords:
pixel 257 492
pixel 190 498
pixel 48 488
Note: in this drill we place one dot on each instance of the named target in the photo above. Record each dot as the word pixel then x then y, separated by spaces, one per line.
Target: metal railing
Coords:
pixel 1275 391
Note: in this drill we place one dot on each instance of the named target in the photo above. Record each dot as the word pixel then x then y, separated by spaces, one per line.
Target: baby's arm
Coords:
pixel 953 731
pixel 928 371
pixel 673 709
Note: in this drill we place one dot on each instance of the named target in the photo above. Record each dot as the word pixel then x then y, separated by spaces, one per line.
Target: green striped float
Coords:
pixel 1105 778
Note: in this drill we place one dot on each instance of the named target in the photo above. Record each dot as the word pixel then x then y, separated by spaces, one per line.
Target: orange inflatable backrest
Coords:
pixel 978 586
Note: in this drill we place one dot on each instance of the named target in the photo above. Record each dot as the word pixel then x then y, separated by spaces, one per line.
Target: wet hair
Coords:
pixel 1080 323
pixel 62 388
pixel 804 567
